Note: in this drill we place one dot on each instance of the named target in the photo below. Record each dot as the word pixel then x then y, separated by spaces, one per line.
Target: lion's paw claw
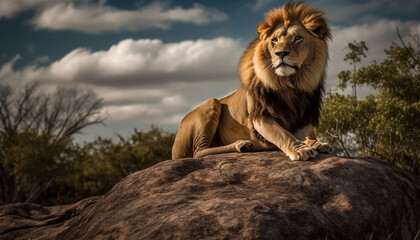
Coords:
pixel 324 148
pixel 303 154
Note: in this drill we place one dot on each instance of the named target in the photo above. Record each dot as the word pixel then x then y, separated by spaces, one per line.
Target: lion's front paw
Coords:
pixel 244 146
pixel 323 147
pixel 302 153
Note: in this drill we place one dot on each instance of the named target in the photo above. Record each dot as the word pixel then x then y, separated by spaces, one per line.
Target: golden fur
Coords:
pixel 282 76
pixel 255 64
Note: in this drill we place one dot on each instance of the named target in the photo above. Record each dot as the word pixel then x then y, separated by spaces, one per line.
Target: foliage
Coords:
pixel 31 161
pixel 102 163
pixel 354 55
pixel 36 137
pixel 337 122
pixel 39 162
pixel 385 125
pixel 357 51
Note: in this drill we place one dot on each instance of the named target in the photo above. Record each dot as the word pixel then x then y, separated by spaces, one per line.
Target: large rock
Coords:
pixel 237 196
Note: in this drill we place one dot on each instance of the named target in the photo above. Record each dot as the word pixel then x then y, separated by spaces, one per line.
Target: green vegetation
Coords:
pixel 39 162
pixel 36 132
pixel 57 171
pixel 100 164
pixel 385 125
pixel 354 55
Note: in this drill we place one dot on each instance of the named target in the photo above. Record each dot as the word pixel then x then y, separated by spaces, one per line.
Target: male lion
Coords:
pixel 282 76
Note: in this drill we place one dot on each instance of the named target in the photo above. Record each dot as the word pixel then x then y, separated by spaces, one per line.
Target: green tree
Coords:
pixel 102 163
pixel 341 112
pixel 385 125
pixel 354 55
pixel 337 122
pixel 36 132
pixel 33 161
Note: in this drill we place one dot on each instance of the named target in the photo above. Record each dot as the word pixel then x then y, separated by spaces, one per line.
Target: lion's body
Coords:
pixel 279 101
pixel 215 123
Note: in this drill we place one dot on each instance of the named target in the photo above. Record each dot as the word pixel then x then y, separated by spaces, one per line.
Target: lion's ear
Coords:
pixel 319 28
pixel 262 30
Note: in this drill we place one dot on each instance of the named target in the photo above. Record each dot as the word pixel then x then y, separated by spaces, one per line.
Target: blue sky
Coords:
pixel 153 61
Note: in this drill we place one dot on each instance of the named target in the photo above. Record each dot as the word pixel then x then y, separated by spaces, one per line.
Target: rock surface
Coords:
pixel 236 196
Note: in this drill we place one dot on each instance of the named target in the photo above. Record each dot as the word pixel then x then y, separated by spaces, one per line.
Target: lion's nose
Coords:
pixel 282 54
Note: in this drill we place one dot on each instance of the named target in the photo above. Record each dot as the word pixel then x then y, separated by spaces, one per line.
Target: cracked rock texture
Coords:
pixel 260 195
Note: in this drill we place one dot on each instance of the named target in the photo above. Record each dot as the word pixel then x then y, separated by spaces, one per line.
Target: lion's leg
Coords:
pixel 197 130
pixel 274 133
pixel 210 113
pixel 307 135
pixel 238 146
pixel 206 125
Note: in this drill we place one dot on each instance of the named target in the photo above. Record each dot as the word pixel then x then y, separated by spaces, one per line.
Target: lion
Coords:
pixel 282 74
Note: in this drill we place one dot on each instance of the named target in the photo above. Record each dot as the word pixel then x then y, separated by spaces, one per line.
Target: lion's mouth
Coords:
pixel 283 64
pixel 283 69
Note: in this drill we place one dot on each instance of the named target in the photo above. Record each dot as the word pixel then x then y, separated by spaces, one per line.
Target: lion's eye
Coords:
pixel 297 38
pixel 274 40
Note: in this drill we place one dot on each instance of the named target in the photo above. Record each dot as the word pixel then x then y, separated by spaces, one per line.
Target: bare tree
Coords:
pixel 31 119
pixel 63 113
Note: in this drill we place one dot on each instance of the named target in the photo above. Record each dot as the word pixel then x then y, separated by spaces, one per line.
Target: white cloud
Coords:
pixel 115 96
pixel 97 18
pixel 7 73
pixel 136 63
pixel 174 101
pixel 143 81
pixel 377 35
pixel 41 60
pixel 166 106
pixel 166 111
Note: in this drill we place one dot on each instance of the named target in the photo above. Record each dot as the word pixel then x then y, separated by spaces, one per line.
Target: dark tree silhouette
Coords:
pixel 36 132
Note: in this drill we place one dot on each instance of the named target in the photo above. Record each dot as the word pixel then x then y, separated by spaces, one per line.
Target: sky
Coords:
pixel 154 61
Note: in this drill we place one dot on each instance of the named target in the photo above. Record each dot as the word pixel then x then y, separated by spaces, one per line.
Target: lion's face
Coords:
pixel 289 49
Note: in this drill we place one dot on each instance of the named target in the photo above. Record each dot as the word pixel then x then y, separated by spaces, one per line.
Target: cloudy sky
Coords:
pixel 153 61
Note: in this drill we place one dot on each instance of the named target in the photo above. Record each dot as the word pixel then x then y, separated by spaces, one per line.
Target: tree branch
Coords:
pixel 408 50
